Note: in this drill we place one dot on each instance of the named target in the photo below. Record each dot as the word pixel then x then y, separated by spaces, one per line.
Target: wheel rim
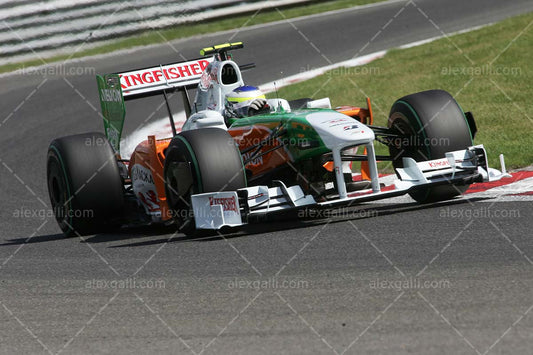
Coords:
pixel 400 124
pixel 180 187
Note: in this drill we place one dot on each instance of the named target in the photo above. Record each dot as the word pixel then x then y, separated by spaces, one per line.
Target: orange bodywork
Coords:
pixel 250 136
pixel 363 115
pixel 150 155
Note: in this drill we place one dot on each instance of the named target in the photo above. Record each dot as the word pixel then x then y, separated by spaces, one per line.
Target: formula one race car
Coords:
pixel 223 171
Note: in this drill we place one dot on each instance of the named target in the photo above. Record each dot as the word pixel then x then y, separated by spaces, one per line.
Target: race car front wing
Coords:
pixel 215 210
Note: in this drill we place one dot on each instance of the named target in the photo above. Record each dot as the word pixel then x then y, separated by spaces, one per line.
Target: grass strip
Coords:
pixel 488 71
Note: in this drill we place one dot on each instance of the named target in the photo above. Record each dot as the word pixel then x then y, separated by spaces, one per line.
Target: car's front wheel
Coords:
pixel 430 123
pixel 198 161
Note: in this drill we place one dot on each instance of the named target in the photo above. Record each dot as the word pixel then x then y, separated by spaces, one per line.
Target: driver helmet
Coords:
pixel 238 101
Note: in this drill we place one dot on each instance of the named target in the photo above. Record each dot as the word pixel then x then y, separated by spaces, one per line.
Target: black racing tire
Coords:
pixel 84 184
pixel 435 124
pixel 199 161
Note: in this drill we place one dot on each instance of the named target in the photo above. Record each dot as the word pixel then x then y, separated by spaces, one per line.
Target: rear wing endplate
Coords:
pixel 113 109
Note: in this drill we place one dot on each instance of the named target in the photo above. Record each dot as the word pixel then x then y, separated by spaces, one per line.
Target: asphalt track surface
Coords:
pixel 338 278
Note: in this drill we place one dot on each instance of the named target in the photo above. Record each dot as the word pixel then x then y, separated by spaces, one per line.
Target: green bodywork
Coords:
pixel 113 108
pixel 302 141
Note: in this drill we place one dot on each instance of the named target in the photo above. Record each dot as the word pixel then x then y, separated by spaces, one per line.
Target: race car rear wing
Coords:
pixel 116 88
pixel 155 80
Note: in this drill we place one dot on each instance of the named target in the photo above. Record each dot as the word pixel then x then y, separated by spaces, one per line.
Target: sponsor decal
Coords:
pixel 149 200
pixel 337 122
pixel 141 173
pixel 207 78
pixel 256 161
pixel 145 190
pixel 171 73
pixel 205 81
pixel 347 128
pixel 113 136
pixel 438 164
pixel 256 196
pixel 227 203
pixel 110 95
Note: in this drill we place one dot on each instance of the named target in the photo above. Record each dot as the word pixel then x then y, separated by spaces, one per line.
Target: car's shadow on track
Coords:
pixel 129 233
pixel 36 239
pixel 291 222
pixel 118 235
pixel 224 234
pixel 279 223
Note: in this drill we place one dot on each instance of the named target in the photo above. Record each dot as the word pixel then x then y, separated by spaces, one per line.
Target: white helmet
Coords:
pixel 243 100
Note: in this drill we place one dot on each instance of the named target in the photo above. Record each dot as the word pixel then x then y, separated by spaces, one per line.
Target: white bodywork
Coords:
pixel 204 119
pixel 339 132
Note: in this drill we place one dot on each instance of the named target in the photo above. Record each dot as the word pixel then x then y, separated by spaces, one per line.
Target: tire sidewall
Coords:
pixel 436 125
pixel 214 163
pixel 90 174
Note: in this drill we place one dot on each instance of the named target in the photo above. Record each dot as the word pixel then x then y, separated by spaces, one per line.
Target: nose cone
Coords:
pixel 338 130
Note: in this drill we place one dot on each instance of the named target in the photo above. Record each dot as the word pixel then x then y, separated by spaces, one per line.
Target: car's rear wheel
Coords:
pixel 431 124
pixel 84 184
pixel 198 161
